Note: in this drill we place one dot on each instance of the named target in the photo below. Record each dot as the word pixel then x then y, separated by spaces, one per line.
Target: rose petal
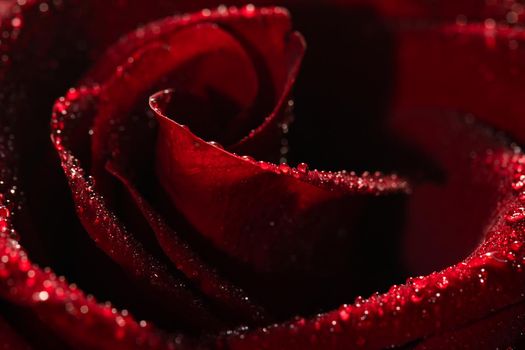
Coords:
pixel 248 24
pixel 77 318
pixel 242 25
pixel 21 281
pixel 259 213
pixel 105 3
pixel 502 329
pixel 490 279
pixel 110 93
pixel 446 219
pixel 147 66
pixel 9 337
pixel 481 72
pixel 110 234
pixel 230 298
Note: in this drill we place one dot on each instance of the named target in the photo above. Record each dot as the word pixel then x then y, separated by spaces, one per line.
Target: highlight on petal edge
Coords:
pixel 277 175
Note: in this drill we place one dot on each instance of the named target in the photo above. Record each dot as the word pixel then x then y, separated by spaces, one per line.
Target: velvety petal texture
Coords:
pixel 186 188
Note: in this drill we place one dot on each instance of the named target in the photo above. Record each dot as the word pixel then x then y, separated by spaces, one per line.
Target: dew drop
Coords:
pixel 490 24
pixel 216 144
pixel 249 9
pixel 4 212
pixel 344 315
pixel 284 168
pixel 72 94
pixel 302 167
pixel 43 7
pixel 3 225
pixel 264 165
pixel 443 283
pixel 222 9
pixel 516 216
pixel 516 246
pixel 495 259
pixel 512 17
pixel 416 297
pixel 518 185
pixel 16 22
pixel 248 158
pixel 41 296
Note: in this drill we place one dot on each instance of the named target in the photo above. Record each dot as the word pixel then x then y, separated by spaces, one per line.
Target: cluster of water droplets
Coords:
pixel 427 303
pixel 492 275
pixel 42 285
pixel 67 110
pixel 366 182
pixel 26 282
pixel 513 165
pixel 512 18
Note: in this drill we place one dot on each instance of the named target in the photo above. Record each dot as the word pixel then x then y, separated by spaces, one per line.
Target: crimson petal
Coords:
pixel 10 339
pixel 138 75
pixel 267 217
pixel 77 317
pixel 231 298
pixel 489 280
pixel 491 89
pixel 250 205
pixel 515 218
pixel 277 56
pixel 66 311
pixel 107 230
pixel 169 45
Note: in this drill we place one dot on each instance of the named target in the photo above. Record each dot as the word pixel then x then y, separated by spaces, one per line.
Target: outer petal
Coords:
pixel 231 299
pixel 260 201
pixel 481 72
pixel 177 43
pixel 66 311
pixel 62 310
pixel 110 234
pixel 490 280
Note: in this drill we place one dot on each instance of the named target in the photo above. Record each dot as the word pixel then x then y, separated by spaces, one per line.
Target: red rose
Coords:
pixel 181 207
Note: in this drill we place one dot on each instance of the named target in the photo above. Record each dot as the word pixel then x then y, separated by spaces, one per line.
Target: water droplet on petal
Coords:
pixel 516 246
pixel 344 315
pixel 490 24
pixel 216 144
pixel 249 10
pixel 302 167
pixel 264 165
pixel 284 168
pixel 516 215
pixel 248 158
pixel 4 212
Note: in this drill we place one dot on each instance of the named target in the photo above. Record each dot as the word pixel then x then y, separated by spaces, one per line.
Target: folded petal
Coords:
pixel 488 283
pixel 110 233
pixel 231 299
